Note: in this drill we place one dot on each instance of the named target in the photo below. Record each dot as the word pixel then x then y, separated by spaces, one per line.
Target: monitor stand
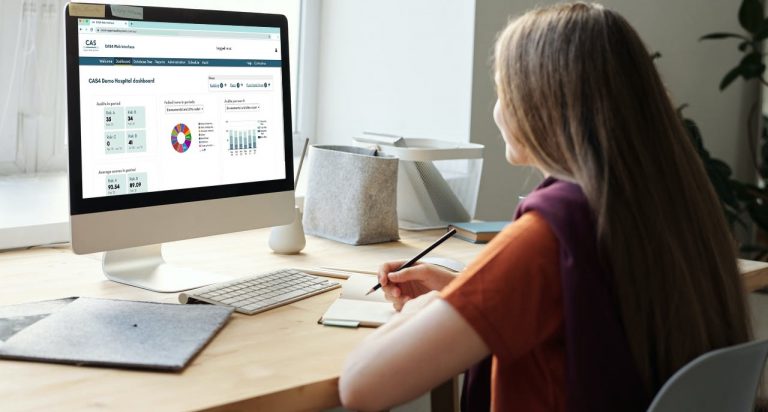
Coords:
pixel 144 267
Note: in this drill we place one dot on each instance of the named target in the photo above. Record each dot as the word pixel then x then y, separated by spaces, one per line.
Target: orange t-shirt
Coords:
pixel 512 296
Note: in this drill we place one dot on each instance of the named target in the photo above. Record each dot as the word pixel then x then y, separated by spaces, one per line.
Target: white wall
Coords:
pixel 396 66
pixel 691 69
pixel 422 68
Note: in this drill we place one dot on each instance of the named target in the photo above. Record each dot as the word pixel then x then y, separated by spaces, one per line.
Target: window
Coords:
pixel 31 87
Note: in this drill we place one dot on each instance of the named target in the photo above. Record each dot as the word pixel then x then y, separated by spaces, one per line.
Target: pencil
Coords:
pixel 417 257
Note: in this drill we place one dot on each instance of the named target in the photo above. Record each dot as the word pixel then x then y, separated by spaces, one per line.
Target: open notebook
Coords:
pixel 353 308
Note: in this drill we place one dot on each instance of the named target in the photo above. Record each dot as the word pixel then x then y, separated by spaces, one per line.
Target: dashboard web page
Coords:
pixel 166 106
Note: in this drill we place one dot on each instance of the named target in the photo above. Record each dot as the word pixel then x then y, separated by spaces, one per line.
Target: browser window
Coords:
pixel 168 106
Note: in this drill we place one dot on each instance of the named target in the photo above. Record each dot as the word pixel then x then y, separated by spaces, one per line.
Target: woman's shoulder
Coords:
pixel 564 207
pixel 529 234
pixel 555 193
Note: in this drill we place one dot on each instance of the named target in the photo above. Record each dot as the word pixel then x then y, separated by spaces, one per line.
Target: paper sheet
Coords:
pixel 354 306
pixel 357 286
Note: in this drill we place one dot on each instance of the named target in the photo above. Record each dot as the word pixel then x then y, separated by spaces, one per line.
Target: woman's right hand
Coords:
pixel 401 286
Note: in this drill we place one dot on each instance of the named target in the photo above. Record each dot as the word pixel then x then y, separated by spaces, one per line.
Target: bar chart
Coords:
pixel 242 139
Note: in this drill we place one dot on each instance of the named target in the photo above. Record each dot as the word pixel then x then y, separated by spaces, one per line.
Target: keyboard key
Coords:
pixel 294 294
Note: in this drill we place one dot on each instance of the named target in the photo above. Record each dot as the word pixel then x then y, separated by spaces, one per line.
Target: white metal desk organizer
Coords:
pixel 438 180
pixel 351 195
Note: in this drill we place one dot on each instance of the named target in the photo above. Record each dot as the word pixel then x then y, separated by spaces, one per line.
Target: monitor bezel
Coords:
pixel 80 205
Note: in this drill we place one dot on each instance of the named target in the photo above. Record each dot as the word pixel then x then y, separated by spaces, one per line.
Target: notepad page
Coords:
pixel 366 312
pixel 354 305
pixel 357 286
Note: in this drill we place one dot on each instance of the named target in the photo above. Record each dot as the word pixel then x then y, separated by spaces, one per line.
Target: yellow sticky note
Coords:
pixel 86 10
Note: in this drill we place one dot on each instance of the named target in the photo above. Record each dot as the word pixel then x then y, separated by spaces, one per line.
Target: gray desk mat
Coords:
pixel 15 318
pixel 118 333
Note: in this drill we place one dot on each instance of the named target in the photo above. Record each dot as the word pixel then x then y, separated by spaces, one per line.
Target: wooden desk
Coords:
pixel 277 360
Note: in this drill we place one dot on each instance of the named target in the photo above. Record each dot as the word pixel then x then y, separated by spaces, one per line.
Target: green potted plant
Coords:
pixel 743 199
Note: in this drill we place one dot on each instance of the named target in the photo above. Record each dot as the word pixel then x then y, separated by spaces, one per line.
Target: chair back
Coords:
pixel 721 380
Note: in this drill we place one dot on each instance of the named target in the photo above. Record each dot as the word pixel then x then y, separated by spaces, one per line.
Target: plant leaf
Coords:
pixel 763 171
pixel 730 77
pixel 752 66
pixel 743 45
pixel 695 135
pixel 753 248
pixel 759 213
pixel 722 35
pixel 746 192
pixel 762 32
pixel 720 167
pixel 751 15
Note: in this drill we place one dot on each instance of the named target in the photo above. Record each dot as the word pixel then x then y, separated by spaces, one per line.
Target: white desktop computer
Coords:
pixel 179 127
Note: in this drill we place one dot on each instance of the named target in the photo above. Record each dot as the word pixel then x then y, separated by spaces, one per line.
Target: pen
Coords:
pixel 417 257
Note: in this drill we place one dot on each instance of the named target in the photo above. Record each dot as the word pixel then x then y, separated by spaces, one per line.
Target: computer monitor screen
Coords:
pixel 179 124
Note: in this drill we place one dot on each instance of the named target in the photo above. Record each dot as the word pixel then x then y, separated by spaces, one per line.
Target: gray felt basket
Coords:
pixel 351 195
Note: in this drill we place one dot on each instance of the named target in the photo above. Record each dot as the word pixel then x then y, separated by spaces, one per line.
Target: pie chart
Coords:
pixel 181 138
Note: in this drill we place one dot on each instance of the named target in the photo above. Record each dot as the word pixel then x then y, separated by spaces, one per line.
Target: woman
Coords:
pixel 618 270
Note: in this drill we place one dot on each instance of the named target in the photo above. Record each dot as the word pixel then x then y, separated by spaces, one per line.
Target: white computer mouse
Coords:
pixel 449 264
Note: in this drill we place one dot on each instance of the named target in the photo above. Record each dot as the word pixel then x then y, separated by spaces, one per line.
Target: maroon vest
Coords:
pixel 600 372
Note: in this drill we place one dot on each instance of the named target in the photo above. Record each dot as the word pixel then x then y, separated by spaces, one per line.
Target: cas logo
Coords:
pixel 91 44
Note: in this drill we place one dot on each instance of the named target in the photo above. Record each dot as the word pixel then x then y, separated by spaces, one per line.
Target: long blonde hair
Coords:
pixel 583 99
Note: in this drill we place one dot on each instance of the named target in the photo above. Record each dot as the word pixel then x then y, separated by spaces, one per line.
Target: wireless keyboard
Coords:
pixel 257 293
